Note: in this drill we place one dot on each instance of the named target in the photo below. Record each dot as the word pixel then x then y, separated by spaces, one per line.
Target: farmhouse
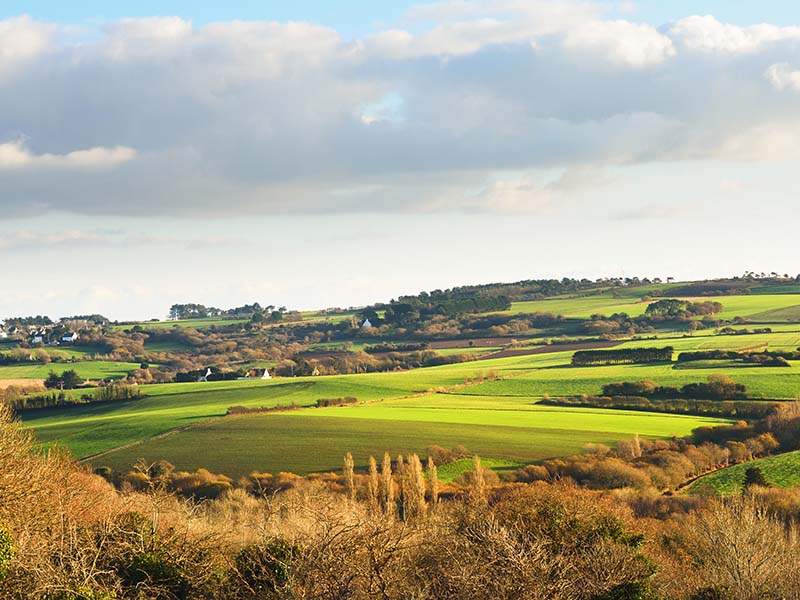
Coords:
pixel 70 338
pixel 3 334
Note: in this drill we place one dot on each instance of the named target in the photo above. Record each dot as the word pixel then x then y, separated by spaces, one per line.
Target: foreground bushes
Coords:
pixel 67 534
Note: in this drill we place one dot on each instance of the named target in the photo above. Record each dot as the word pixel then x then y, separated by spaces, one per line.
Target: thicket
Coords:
pixel 767 358
pixel 718 387
pixel 117 392
pixel 623 356
pixel 741 409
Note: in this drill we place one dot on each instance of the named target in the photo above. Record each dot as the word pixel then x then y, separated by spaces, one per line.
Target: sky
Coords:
pixel 316 154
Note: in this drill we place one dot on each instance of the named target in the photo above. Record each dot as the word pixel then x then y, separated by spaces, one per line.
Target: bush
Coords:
pixel 262 570
pixel 154 569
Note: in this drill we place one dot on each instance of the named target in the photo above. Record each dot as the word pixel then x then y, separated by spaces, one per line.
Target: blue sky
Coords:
pixel 369 149
pixel 356 17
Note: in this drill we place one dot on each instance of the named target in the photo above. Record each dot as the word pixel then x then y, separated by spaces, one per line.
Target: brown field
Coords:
pixel 6 383
pixel 551 348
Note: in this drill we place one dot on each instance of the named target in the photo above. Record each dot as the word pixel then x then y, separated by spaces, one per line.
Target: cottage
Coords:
pixel 70 338
pixel 3 333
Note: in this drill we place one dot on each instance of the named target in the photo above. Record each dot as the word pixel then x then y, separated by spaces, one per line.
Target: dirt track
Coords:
pixel 551 348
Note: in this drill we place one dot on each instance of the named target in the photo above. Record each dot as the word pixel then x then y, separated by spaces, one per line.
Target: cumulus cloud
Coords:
pixel 162 117
pixel 783 77
pixel 707 33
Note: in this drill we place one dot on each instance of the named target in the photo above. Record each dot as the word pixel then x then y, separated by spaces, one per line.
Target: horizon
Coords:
pixel 637 282
pixel 311 156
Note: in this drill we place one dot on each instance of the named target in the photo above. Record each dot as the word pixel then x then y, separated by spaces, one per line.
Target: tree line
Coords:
pixel 622 356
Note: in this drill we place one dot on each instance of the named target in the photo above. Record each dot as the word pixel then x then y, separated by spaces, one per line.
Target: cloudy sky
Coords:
pixel 302 155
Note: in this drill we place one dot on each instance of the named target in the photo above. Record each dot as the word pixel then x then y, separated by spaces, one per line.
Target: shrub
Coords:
pixel 262 570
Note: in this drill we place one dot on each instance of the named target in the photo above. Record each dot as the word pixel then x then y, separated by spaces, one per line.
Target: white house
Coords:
pixel 37 338
pixel 70 338
pixel 366 324
pixel 3 334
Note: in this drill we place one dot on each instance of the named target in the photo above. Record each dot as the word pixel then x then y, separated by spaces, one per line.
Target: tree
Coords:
pixel 754 476
pixel 52 381
pixel 349 482
pixel 70 379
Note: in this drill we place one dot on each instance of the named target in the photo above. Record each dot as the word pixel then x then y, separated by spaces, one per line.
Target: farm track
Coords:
pixel 550 349
pixel 158 436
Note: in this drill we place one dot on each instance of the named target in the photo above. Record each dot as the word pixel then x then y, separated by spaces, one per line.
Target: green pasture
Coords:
pixel 317 439
pixel 192 323
pixel 758 307
pixel 782 470
pixel 99 369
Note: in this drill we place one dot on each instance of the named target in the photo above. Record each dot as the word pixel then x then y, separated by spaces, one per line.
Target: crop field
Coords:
pixel 193 323
pixel 518 431
pixel 488 405
pixel 90 429
pixel 782 470
pixel 755 306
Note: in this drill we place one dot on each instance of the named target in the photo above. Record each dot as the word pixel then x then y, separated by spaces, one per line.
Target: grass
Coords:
pixel 782 470
pixel 193 323
pixel 317 439
pixel 93 429
pixel 99 369
pixel 748 306
pixel 498 418
pixel 456 469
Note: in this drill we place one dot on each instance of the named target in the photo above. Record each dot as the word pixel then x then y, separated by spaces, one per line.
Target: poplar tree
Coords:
pixel 373 484
pixel 387 491
pixel 433 481
pixel 349 479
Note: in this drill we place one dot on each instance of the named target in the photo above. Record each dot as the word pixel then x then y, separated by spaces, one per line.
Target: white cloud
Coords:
pixel 626 43
pixel 22 38
pixel 163 116
pixel 707 33
pixel 782 76
pixel 14 155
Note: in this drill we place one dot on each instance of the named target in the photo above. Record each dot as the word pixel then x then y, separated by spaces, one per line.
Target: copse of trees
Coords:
pixel 623 356
pixel 37 321
pixel 672 309
pixel 740 409
pixel 68 380
pixel 199 311
pixel 718 387
pixel 767 358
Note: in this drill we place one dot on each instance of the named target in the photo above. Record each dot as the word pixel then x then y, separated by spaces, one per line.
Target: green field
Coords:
pixel 488 405
pixel 753 306
pixel 86 369
pixel 782 470
pixel 316 439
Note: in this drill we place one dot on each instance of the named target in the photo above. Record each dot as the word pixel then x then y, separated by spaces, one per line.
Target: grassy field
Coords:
pixel 193 323
pixel 86 369
pixel 506 403
pixel 755 306
pixel 316 439
pixel 782 470
pixel 489 405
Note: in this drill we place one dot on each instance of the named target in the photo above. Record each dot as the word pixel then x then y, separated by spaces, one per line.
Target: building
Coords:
pixel 70 338
pixel 366 324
